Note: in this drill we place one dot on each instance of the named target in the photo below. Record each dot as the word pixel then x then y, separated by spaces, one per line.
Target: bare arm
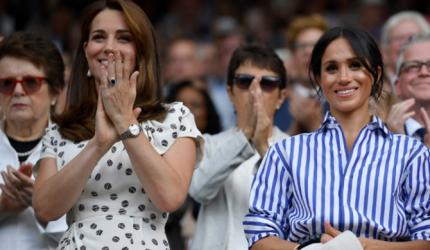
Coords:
pixel 273 243
pixel 165 178
pixel 52 186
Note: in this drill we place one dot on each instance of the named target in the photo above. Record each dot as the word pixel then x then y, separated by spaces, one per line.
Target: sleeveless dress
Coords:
pixel 114 211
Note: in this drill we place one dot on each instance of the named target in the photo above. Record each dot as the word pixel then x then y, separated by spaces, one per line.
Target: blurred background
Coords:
pixel 259 20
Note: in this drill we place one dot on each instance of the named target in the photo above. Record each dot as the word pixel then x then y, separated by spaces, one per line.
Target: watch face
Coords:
pixel 134 129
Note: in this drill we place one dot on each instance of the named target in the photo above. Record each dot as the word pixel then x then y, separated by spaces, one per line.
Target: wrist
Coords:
pixel 123 125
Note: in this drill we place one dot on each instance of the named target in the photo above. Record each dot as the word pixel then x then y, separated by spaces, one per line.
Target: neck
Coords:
pixel 352 123
pixel 26 131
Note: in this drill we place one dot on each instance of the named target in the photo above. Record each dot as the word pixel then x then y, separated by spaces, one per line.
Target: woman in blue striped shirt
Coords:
pixel 350 174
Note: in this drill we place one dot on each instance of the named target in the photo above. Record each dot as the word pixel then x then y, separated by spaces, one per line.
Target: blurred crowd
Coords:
pixel 197 38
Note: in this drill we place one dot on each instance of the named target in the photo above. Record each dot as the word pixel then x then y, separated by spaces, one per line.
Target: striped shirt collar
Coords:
pixel 330 122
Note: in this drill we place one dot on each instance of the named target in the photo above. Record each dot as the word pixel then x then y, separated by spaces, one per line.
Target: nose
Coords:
pixel 18 90
pixel 255 84
pixel 345 76
pixel 110 45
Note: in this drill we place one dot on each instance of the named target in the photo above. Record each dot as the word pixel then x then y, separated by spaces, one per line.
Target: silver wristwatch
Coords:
pixel 132 131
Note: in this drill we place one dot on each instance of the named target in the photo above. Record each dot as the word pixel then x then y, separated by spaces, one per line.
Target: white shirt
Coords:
pixel 21 231
pixel 221 183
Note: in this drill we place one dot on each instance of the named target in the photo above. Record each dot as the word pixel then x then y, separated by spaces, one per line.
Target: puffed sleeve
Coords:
pixel 179 122
pixel 50 142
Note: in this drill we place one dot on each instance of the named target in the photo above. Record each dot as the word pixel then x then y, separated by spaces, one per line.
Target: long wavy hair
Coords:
pixel 77 122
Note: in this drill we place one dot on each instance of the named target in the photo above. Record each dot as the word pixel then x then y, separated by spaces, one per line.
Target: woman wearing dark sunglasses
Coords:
pixel 256 83
pixel 352 174
pixel 31 76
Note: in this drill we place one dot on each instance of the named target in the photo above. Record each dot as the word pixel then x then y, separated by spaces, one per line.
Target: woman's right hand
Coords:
pixel 105 134
pixel 17 190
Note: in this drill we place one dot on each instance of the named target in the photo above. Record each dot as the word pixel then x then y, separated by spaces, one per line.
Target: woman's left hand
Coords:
pixel 331 232
pixel 118 91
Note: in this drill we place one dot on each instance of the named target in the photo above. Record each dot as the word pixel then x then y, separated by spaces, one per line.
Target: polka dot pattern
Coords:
pixel 114 211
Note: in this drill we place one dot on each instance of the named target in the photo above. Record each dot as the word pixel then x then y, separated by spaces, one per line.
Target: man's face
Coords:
pixel 414 78
pixel 397 37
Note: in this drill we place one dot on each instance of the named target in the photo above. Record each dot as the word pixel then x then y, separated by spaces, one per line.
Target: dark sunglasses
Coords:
pixel 267 83
pixel 30 84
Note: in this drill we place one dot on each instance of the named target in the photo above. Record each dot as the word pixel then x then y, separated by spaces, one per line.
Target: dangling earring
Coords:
pixel 89 73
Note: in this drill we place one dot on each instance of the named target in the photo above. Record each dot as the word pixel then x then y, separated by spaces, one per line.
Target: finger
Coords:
pixel 330 230
pixel 407 115
pixel 9 180
pixel 133 79
pixel 325 238
pixel 407 105
pixel 111 70
pixel 425 118
pixel 24 179
pixel 8 193
pixel 128 67
pixel 104 82
pixel 119 67
pixel 137 111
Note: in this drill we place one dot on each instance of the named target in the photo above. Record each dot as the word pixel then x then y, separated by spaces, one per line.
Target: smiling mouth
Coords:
pixel 344 92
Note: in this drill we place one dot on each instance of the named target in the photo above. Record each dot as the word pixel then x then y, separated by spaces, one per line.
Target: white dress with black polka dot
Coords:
pixel 113 211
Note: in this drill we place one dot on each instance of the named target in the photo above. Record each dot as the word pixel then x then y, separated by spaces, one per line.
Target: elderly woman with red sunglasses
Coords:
pixel 256 83
pixel 31 77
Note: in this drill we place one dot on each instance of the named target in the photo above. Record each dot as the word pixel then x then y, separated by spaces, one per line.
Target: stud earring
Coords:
pixel 89 73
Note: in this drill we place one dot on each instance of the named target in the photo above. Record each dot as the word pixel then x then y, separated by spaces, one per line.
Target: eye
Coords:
pixel 97 37
pixel 125 38
pixel 331 68
pixel 355 65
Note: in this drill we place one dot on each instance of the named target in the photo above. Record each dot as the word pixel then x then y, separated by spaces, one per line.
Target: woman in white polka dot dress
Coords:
pixel 117 160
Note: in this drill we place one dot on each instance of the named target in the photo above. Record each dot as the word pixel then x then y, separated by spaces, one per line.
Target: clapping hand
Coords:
pixel 117 93
pixel 263 123
pixel 398 114
pixel 17 190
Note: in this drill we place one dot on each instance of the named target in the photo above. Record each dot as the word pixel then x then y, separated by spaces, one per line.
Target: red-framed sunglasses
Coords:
pixel 30 84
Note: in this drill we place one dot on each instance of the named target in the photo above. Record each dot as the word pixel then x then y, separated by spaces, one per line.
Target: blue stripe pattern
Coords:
pixel 380 189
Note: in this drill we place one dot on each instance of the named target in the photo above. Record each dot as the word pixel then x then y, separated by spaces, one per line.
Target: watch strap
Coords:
pixel 128 134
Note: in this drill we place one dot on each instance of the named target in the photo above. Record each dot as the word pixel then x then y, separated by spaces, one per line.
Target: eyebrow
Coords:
pixel 117 31
pixel 336 61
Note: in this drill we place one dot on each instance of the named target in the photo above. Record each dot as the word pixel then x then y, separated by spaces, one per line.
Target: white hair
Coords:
pixel 406 46
pixel 394 20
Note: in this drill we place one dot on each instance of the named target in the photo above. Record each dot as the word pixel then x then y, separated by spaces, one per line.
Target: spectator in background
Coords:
pixel 256 83
pixel 395 32
pixel 31 77
pixel 182 62
pixel 227 37
pixel 411 115
pixel 304 103
pixel 194 96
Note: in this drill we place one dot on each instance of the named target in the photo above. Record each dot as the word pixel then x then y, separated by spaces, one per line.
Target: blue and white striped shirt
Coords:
pixel 380 190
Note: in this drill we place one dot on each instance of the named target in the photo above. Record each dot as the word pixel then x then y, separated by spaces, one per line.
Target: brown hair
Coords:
pixel 41 52
pixel 77 123
pixel 302 23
